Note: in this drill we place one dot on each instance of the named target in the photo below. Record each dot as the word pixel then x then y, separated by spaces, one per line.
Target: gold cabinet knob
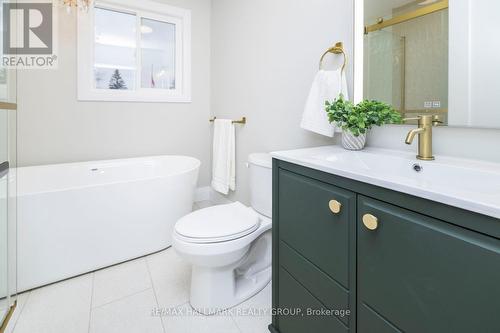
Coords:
pixel 335 206
pixel 370 221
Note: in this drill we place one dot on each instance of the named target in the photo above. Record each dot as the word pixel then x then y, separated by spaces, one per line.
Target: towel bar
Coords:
pixel 242 121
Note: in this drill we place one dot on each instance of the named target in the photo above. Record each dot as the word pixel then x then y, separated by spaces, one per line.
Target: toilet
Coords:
pixel 229 246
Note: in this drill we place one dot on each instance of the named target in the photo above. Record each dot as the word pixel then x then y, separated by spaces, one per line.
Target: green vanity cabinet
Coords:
pixel 398 263
pixel 313 246
pixel 305 214
pixel 420 274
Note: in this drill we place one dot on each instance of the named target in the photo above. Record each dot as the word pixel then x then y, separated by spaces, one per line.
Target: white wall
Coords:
pixel 54 127
pixel 264 57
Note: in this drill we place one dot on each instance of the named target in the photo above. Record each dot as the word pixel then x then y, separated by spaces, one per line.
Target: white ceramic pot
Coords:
pixel 351 142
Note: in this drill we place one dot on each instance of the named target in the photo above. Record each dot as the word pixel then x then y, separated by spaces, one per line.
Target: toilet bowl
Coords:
pixel 229 246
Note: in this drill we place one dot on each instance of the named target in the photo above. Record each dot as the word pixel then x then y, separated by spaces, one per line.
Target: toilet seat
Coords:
pixel 217 224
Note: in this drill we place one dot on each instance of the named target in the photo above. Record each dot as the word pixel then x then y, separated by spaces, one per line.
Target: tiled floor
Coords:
pixel 122 299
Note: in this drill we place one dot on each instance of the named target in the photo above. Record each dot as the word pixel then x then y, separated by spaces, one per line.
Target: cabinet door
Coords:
pixel 296 304
pixel 308 225
pixel 418 274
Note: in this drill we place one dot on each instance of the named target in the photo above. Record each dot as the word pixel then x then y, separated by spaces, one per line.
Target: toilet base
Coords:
pixel 214 289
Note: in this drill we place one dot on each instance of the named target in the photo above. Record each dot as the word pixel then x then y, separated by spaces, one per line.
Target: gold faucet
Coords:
pixel 424 131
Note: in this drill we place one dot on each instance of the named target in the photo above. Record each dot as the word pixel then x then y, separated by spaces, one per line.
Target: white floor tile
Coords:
pixel 185 320
pixel 119 281
pixel 60 308
pixel 171 278
pixel 132 314
pixel 254 315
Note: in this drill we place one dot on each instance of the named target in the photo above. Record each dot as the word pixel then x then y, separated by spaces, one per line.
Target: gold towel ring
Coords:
pixel 337 49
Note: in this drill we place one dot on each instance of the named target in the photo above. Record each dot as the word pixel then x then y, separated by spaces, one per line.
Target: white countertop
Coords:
pixel 467 184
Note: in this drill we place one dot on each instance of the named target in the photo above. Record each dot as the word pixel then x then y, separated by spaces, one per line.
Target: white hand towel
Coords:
pixel 224 156
pixel 327 86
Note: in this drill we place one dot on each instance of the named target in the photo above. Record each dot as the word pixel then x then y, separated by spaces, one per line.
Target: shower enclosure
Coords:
pixel 8 121
pixel 406 64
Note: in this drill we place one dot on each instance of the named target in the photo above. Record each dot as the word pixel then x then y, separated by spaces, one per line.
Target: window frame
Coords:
pixel 141 9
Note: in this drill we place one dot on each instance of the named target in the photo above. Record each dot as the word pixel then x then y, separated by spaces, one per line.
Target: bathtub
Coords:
pixel 79 217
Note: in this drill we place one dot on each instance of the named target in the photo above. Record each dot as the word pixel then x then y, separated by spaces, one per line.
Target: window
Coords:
pixel 134 50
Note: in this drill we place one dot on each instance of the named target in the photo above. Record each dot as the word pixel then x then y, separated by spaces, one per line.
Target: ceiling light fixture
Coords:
pixel 80 4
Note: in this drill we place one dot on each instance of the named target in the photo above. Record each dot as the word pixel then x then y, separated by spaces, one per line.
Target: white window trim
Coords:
pixel 147 9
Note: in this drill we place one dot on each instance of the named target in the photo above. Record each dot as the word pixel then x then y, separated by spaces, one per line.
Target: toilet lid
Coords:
pixel 218 223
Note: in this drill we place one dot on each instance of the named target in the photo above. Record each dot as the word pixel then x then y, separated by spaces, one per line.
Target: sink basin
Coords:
pixel 467 184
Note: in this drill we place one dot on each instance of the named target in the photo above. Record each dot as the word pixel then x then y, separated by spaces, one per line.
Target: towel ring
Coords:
pixel 337 49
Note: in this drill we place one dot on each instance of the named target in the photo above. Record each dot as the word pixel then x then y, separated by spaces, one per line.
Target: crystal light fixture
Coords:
pixel 80 4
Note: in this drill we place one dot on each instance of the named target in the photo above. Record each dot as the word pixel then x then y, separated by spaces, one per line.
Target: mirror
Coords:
pixel 434 57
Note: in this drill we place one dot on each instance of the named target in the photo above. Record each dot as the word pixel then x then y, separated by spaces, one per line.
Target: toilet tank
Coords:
pixel 261 183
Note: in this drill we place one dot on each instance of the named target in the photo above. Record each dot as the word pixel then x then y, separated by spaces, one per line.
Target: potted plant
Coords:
pixel 357 120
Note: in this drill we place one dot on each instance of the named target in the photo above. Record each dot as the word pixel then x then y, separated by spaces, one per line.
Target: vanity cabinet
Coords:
pixel 398 263
pixel 314 246
pixel 420 274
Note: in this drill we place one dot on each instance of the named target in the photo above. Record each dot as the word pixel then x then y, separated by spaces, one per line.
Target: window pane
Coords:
pixel 158 54
pixel 115 50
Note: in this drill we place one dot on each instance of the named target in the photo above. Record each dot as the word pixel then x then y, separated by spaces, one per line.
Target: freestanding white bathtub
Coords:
pixel 80 217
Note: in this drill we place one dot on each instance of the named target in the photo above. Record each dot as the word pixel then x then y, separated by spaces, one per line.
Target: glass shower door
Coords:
pixel 4 230
pixel 7 210
pixel 8 202
pixel 406 66
pixel 385 68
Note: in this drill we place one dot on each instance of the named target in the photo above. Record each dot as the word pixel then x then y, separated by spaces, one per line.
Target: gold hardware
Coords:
pixel 381 24
pixel 337 49
pixel 424 131
pixel 335 206
pixel 7 317
pixel 242 121
pixel 370 222
pixel 8 106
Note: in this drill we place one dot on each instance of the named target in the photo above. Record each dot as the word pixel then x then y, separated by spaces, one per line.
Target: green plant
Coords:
pixel 358 119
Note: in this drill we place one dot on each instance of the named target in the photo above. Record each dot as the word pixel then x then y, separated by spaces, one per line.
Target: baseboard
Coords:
pixel 208 194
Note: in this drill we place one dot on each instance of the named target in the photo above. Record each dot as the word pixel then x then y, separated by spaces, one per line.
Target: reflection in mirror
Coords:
pixel 406 55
